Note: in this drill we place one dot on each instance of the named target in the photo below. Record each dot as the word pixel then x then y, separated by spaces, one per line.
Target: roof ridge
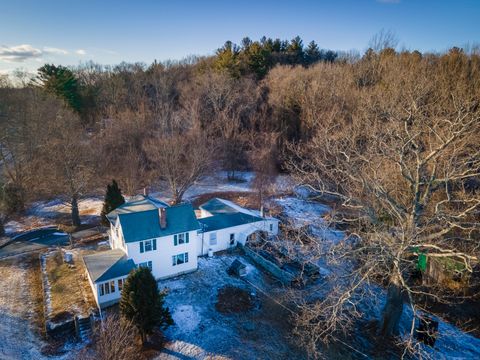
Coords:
pixel 98 277
pixel 138 212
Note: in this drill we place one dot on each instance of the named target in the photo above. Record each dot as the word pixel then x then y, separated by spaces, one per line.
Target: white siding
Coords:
pixel 107 299
pixel 161 258
pixel 116 236
pixel 241 233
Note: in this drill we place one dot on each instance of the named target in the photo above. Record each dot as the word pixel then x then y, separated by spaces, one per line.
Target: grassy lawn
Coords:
pixel 70 293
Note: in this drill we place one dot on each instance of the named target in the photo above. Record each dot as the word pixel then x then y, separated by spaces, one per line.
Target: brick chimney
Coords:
pixel 163 218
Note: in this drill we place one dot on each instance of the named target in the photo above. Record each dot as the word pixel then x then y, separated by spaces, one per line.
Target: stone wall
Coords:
pixel 284 277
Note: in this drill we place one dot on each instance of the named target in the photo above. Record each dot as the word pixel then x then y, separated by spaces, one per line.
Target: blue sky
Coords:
pixel 67 32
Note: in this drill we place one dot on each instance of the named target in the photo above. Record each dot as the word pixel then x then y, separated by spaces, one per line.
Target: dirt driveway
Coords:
pixel 20 308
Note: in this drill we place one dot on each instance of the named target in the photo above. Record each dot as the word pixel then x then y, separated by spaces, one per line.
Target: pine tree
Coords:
pixel 295 51
pixel 113 199
pixel 143 304
pixel 61 82
pixel 312 53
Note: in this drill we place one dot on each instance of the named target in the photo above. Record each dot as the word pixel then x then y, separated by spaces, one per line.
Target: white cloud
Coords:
pixel 52 50
pixel 81 52
pixel 19 53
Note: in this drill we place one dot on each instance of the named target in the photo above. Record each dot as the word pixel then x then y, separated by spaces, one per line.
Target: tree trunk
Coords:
pixel 393 309
pixel 177 198
pixel 75 214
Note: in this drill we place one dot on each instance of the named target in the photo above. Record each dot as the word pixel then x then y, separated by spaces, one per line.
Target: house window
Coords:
pixel 148 245
pixel 232 239
pixel 180 259
pixel 271 227
pixel 146 264
pixel 213 238
pixel 182 238
pixel 107 288
pixel 120 284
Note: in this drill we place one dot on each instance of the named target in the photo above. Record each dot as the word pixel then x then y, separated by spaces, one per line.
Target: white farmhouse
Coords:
pixel 168 240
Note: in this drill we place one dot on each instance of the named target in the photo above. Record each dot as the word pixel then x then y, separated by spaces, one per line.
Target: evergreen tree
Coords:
pixel 61 82
pixel 312 53
pixel 143 304
pixel 227 60
pixel 295 51
pixel 113 199
pixel 257 60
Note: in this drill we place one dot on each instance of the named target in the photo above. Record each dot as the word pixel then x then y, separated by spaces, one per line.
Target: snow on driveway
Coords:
pixel 17 340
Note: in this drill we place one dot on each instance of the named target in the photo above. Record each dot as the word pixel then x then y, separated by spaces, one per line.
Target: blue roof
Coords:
pixel 136 204
pixel 108 265
pixel 223 221
pixel 144 225
pixel 217 206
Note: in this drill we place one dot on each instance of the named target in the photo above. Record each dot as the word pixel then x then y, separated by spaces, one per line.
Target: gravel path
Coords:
pixel 17 310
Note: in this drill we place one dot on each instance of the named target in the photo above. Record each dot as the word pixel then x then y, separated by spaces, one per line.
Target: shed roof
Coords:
pixel 108 265
pixel 143 225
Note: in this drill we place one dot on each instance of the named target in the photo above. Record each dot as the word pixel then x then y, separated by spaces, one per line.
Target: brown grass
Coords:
pixel 34 280
pixel 67 287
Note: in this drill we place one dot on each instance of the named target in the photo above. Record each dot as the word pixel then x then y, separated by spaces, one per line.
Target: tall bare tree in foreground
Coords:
pixel 114 339
pixel 401 168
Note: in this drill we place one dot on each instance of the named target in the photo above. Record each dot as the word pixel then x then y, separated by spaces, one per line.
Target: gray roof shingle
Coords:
pixel 108 265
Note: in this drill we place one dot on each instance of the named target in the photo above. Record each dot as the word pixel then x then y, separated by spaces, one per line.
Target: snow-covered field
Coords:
pixel 201 332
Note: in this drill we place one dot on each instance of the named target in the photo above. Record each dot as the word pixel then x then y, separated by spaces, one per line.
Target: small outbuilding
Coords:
pixel 237 268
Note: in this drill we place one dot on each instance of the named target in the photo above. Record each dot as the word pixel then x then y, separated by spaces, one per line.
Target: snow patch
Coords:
pixel 186 318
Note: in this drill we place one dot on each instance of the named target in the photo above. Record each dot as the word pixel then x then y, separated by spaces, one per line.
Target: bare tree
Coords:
pixel 180 159
pixel 114 339
pixel 400 169
pixel 263 156
pixel 66 164
pixel 226 108
pixel 23 113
